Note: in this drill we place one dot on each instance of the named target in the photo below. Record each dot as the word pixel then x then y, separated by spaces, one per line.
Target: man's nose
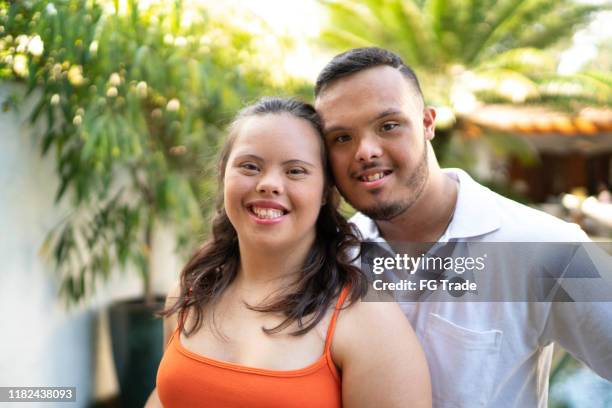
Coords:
pixel 270 183
pixel 368 149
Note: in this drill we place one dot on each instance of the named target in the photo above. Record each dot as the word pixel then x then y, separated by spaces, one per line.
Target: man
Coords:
pixel 378 133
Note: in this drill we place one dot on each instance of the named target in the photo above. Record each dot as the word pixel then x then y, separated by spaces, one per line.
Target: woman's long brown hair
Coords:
pixel 326 270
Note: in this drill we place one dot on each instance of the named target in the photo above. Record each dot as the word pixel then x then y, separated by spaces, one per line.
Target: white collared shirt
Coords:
pixel 499 353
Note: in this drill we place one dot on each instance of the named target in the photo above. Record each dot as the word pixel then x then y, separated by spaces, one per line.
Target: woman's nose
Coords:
pixel 270 184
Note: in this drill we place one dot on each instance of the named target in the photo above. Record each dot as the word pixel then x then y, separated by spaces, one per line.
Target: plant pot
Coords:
pixel 137 337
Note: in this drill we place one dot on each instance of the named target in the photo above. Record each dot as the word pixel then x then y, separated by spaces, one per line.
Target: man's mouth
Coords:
pixel 374 176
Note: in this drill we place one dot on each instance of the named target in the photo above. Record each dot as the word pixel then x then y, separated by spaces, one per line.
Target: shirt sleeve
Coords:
pixel 582 321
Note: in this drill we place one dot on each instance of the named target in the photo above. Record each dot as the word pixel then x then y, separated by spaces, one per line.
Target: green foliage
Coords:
pixel 133 105
pixel 433 34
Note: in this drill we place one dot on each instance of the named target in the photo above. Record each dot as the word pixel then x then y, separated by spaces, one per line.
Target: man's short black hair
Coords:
pixel 359 59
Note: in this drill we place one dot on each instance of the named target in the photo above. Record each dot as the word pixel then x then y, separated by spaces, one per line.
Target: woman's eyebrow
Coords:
pixel 248 156
pixel 260 159
pixel 298 161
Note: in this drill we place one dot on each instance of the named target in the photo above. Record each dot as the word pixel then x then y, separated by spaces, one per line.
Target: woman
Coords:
pixel 268 312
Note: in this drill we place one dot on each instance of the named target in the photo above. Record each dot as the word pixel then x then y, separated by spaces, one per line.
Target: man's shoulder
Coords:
pixel 485 215
pixel 360 219
pixel 366 226
pixel 522 222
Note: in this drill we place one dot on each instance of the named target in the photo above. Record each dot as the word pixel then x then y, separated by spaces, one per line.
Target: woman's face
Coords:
pixel 274 181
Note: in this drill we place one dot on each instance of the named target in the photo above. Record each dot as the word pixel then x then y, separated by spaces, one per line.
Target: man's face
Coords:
pixel 376 130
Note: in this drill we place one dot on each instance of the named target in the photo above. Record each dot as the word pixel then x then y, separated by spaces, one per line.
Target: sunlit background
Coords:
pixel 113 112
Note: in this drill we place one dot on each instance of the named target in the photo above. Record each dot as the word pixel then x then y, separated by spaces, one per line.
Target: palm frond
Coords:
pixel 393 24
pixel 557 26
pixel 594 89
pixel 493 20
pixel 347 23
pixel 522 60
pixel 415 33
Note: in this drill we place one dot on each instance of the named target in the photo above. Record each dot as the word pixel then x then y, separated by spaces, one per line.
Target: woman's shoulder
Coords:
pixel 365 323
pixel 379 355
pixel 384 313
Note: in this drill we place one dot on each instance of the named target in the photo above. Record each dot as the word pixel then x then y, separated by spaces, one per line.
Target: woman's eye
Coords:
pixel 389 126
pixel 297 171
pixel 249 166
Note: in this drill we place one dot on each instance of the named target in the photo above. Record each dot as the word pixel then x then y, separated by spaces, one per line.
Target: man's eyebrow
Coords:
pixel 385 113
pixel 332 129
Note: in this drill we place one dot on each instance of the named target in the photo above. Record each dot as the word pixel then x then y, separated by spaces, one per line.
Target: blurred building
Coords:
pixel 574 150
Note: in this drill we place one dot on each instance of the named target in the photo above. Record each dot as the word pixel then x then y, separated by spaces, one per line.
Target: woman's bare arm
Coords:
pixel 170 325
pixel 382 362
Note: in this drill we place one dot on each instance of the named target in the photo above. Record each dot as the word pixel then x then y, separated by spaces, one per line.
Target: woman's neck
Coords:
pixel 263 271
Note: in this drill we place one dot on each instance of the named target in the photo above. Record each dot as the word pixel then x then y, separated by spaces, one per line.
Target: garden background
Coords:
pixel 112 113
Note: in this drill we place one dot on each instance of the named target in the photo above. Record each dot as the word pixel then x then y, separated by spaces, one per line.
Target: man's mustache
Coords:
pixel 370 165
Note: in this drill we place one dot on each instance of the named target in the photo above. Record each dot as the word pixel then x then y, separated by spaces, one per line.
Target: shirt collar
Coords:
pixel 476 212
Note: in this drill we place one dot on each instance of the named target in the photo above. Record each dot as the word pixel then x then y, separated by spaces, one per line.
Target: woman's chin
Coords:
pixel 274 242
pixel 266 241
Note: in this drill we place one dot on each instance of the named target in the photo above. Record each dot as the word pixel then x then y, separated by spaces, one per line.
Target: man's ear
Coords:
pixel 429 122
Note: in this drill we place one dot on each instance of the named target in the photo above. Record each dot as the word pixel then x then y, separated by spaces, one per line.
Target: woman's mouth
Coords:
pixel 266 213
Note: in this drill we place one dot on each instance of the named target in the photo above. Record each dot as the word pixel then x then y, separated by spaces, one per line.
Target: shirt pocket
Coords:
pixel 462 362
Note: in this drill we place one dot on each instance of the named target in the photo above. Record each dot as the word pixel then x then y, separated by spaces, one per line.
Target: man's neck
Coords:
pixel 429 217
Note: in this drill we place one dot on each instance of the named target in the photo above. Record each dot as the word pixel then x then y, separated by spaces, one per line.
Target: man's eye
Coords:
pixel 342 139
pixel 389 126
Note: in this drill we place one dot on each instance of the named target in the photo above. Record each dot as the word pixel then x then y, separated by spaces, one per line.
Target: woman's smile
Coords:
pixel 267 212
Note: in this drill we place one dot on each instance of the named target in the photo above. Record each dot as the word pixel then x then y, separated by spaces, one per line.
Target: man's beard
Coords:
pixel 415 184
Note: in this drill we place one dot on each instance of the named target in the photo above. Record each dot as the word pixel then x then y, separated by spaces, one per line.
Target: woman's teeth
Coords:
pixel 268 213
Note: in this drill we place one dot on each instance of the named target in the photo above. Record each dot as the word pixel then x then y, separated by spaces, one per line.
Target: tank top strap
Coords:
pixel 334 318
pixel 182 314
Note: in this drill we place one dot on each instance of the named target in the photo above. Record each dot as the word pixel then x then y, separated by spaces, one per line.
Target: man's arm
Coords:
pixel 584 327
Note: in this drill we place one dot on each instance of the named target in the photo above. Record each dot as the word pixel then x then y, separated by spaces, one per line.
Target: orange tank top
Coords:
pixel 187 379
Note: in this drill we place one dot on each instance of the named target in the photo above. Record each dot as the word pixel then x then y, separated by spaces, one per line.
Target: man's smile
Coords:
pixel 373 178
